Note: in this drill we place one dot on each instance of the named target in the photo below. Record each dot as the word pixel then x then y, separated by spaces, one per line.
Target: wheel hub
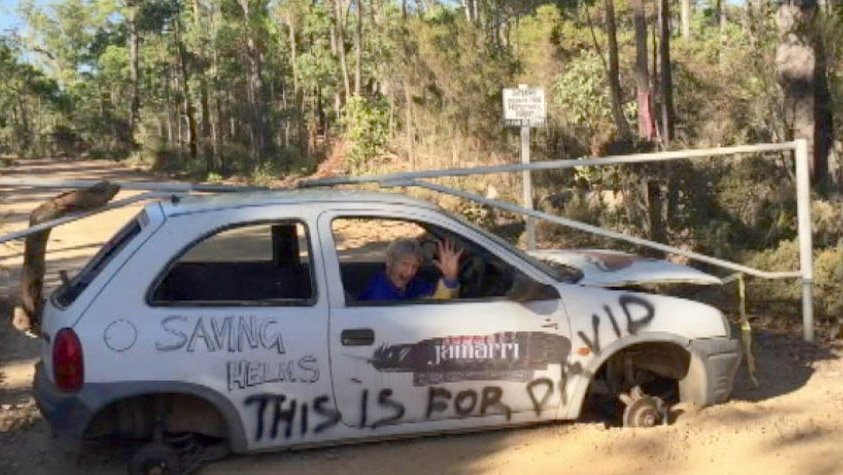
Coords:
pixel 642 410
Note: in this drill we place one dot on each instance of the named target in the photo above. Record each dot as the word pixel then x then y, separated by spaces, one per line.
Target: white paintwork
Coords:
pixel 179 343
pixel 606 268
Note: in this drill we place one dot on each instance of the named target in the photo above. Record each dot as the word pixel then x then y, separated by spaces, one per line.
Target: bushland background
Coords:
pixel 270 90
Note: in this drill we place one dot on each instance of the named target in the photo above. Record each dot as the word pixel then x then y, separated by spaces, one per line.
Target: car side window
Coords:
pixel 255 264
pixel 362 247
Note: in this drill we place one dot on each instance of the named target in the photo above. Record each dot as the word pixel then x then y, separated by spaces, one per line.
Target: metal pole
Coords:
pixel 600 231
pixel 528 188
pixel 527 185
pixel 803 213
pixel 549 165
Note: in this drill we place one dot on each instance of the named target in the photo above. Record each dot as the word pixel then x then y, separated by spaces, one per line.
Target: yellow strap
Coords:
pixel 746 332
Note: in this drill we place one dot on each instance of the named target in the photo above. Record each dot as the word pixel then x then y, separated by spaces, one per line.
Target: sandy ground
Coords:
pixel 792 423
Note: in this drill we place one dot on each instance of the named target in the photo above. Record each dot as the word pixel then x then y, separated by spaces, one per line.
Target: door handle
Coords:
pixel 357 337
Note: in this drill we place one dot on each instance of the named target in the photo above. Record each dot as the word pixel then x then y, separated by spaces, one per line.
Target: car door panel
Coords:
pixel 439 360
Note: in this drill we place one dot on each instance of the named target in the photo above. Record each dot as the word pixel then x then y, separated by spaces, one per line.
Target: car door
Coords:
pixel 485 361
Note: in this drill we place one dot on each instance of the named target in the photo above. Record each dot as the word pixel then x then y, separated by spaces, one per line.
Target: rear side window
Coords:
pixel 67 293
pixel 255 264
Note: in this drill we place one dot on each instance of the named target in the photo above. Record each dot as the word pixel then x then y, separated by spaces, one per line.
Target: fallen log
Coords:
pixel 26 318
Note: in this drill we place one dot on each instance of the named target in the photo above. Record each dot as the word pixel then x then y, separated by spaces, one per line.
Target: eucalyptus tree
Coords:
pixel 801 75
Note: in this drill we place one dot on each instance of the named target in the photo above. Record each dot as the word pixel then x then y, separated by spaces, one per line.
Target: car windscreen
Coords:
pixel 70 290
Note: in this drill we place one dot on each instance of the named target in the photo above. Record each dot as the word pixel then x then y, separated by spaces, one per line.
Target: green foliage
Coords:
pixel 582 93
pixel 365 123
pixel 261 88
pixel 828 280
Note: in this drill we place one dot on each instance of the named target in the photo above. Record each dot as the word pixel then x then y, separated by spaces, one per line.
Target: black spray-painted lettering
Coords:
pixel 539 404
pixel 465 402
pixel 433 403
pixel 286 414
pixel 286 410
pixel 243 374
pixel 364 407
pixel 385 400
pixel 438 400
pixel 331 415
pixel 594 346
pixel 492 400
pixel 232 334
pixel 644 315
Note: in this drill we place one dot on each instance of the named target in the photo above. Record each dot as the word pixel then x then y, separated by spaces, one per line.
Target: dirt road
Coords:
pixel 792 423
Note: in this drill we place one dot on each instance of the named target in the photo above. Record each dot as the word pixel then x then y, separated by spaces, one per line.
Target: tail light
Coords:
pixel 68 367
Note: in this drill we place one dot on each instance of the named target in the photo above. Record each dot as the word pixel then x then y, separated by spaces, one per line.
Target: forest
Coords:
pixel 269 90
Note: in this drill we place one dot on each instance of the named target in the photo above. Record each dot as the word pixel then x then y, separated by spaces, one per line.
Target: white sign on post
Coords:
pixel 524 107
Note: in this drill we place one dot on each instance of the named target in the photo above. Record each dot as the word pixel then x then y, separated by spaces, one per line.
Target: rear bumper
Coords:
pixel 713 369
pixel 66 413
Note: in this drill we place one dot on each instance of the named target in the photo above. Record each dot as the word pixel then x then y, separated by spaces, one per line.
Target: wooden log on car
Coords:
pixel 27 317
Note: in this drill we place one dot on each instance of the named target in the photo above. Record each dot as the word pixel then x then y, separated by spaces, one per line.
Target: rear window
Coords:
pixel 67 293
pixel 252 264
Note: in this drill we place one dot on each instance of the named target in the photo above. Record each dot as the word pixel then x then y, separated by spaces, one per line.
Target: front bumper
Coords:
pixel 65 412
pixel 713 367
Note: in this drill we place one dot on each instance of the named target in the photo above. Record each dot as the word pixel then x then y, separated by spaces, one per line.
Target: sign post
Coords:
pixel 525 107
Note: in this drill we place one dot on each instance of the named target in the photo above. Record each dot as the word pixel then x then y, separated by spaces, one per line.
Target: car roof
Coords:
pixel 198 203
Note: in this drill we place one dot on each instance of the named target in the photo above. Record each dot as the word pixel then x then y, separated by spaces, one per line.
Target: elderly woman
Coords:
pixel 399 280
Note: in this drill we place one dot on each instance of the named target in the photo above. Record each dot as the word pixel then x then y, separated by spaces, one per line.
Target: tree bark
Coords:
pixel 261 137
pixel 686 19
pixel 358 49
pixel 134 61
pixel 189 111
pixel 341 46
pixel 26 318
pixel 666 77
pixel 798 74
pixel 646 126
pixel 614 73
pixel 204 101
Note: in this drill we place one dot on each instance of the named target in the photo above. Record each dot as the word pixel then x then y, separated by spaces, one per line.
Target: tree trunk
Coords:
pixel 27 317
pixel 341 46
pixel 261 137
pixel 358 49
pixel 666 78
pixel 301 129
pixel 614 74
pixel 686 19
pixel 134 61
pixel 411 141
pixel 646 128
pixel 294 54
pixel 185 79
pixel 217 128
pixel 205 115
pixel 798 73
pixel 824 133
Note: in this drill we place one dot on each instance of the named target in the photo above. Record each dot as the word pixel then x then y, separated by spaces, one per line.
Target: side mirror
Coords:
pixel 525 289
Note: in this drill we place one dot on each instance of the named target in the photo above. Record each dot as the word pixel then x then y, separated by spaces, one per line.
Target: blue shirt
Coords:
pixel 381 288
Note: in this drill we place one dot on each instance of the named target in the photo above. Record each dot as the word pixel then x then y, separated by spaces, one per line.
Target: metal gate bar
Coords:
pixel 799 146
pixel 803 209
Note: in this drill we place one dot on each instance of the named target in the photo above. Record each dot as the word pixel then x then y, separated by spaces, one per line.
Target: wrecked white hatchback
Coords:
pixel 233 323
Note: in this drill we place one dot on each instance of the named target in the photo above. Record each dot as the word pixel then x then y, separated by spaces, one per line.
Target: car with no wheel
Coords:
pixel 231 323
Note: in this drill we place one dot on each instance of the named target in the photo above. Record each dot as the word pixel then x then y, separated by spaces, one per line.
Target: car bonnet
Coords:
pixel 605 268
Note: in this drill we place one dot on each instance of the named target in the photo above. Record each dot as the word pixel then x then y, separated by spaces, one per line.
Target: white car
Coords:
pixel 230 323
